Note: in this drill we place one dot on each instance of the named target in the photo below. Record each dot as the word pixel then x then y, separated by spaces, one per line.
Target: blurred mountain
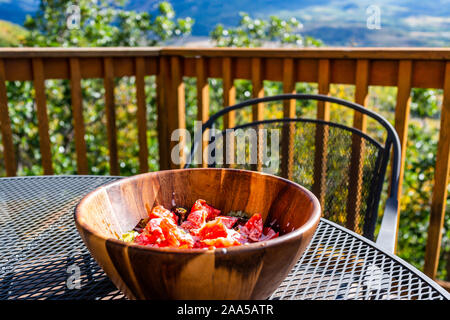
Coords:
pixel 11 34
pixel 336 22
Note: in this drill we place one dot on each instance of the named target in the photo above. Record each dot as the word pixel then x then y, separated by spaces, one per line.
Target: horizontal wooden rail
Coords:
pixel 428 64
pixel 420 53
pixel 404 68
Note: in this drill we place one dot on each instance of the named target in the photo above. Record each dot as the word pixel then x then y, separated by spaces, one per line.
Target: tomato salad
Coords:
pixel 202 227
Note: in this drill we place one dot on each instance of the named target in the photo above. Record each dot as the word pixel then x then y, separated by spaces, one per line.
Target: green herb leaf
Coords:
pixel 129 236
pixel 239 214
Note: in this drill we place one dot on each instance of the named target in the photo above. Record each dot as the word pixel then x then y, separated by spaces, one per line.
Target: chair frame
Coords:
pixel 387 235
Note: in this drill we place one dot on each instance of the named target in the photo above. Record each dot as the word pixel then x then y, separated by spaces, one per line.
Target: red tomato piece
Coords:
pixel 197 218
pixel 161 212
pixel 170 233
pixel 213 229
pixel 233 234
pixel 221 242
pixel 185 239
pixel 160 232
pixel 187 225
pixel 143 240
pixel 198 205
pixel 201 204
pixel 229 222
pixel 269 233
pixel 152 234
pixel 253 227
pixel 203 228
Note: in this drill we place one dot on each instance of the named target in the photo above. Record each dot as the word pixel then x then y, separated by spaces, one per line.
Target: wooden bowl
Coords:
pixel 251 271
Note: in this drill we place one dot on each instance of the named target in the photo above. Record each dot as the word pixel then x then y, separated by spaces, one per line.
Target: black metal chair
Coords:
pixel 344 167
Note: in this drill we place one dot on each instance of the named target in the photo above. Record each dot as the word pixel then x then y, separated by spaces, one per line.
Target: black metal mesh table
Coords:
pixel 43 257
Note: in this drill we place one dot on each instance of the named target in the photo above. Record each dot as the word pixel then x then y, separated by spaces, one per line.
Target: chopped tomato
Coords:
pixel 161 212
pixel 233 234
pixel 197 218
pixel 170 233
pixel 187 225
pixel 220 242
pixel 229 222
pixel 204 227
pixel 253 227
pixel 213 229
pixel 268 233
pixel 152 234
pixel 162 232
pixel 185 239
pixel 201 204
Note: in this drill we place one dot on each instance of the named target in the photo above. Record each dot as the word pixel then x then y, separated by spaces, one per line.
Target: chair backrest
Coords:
pixel 343 166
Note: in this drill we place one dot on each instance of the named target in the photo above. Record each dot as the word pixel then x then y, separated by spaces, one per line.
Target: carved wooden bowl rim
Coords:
pixel 297 233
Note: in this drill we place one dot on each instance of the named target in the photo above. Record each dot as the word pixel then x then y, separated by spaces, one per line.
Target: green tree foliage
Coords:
pixel 101 24
pixel 425 103
pixel 253 32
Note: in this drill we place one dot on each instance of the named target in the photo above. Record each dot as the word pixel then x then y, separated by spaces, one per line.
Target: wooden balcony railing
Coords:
pixel 363 67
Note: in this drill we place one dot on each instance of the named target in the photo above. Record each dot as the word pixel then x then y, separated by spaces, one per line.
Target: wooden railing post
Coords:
pixel 258 109
pixel 162 88
pixel 110 115
pixel 357 154
pixel 229 91
pixel 402 110
pixel 287 144
pixel 77 112
pixel 202 101
pixel 441 173
pixel 323 113
pixel 257 89
pixel 177 108
pixel 41 110
pixel 141 114
pixel 229 99
pixel 5 126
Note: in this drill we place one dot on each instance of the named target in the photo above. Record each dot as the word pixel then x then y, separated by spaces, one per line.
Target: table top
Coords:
pixel 43 257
